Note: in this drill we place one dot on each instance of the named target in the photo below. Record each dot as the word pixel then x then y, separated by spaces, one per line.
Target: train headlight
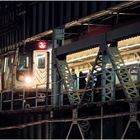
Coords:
pixel 28 79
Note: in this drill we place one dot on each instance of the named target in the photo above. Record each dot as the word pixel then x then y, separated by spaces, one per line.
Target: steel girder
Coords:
pixel 116 34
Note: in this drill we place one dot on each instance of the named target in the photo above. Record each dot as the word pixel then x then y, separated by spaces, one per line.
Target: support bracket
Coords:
pixel 74 122
pixel 133 117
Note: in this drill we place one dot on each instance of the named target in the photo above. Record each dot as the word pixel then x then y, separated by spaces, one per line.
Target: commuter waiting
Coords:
pixel 82 80
pixel 74 77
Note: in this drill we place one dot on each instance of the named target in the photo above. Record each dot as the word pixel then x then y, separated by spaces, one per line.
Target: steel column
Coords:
pixel 115 34
pixel 40 17
pixel 102 123
pixel 0 101
pixel 58 38
pixel 12 99
pixel 138 78
pixel 108 80
pixel 47 15
pixel 31 128
pixel 119 127
pixel 38 128
pixel 46 128
pixel 25 130
pixel 34 19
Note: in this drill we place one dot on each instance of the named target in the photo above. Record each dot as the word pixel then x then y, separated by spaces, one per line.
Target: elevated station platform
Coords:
pixel 104 95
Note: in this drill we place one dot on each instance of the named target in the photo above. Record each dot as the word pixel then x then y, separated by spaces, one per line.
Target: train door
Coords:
pixel 40 67
pixel 1 68
pixel 7 72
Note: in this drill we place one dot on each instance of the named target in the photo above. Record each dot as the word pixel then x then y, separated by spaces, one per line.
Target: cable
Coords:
pixel 21 126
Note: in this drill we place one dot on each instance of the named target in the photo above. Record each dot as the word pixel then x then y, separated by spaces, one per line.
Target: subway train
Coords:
pixel 30 67
pixel 25 72
pixel 25 67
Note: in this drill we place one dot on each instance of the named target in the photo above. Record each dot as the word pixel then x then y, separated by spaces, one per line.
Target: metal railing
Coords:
pixel 26 98
pixel 21 99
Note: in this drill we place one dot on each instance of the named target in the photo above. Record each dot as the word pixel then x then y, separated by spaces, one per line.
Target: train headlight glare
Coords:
pixel 28 79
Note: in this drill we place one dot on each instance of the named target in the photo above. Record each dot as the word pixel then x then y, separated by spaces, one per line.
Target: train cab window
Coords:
pixel 23 68
pixel 41 61
pixel 23 62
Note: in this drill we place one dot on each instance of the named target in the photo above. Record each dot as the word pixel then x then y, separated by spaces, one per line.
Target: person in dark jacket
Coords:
pixel 82 80
pixel 74 76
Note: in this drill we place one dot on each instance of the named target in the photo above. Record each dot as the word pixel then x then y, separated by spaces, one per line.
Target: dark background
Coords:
pixel 20 20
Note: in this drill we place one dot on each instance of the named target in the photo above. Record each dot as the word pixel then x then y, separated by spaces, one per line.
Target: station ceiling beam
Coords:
pixel 117 34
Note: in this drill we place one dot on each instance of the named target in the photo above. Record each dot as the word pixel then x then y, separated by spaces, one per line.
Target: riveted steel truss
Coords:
pixel 68 81
pixel 122 72
pixel 101 78
pixel 73 95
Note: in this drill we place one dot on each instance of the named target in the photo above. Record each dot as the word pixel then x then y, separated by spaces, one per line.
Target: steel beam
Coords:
pixel 117 34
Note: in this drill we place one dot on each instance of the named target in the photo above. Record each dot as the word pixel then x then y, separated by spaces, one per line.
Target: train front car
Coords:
pixel 25 75
pixel 33 66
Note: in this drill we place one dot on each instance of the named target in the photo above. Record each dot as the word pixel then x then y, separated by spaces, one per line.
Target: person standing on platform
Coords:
pixel 82 80
pixel 74 77
pixel 89 74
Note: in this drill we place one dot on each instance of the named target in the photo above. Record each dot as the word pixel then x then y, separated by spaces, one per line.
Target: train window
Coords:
pixel 5 64
pixel 8 61
pixel 0 64
pixel 23 62
pixel 41 61
pixel 8 68
pixel 23 67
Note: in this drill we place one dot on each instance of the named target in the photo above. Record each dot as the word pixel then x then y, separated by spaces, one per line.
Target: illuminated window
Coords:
pixel 8 61
pixel 41 61
pixel 23 62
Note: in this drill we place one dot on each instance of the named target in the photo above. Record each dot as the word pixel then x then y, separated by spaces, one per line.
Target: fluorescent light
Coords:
pixel 80 58
pixel 130 46
pixel 92 55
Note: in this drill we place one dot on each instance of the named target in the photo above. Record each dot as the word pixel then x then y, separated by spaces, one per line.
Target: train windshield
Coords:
pixel 41 61
pixel 23 69
pixel 23 62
